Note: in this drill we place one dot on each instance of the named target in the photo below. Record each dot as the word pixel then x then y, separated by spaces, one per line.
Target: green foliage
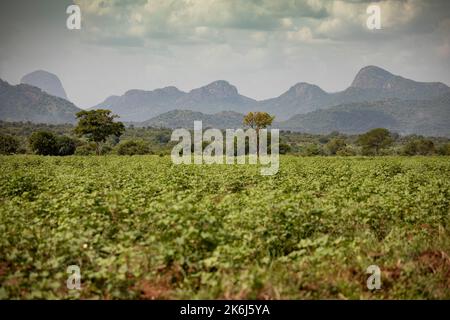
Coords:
pixel 258 120
pixel 97 125
pixel 43 143
pixel 348 150
pixel 65 146
pixel 8 144
pixel 312 149
pixel 284 148
pixel 133 147
pixel 19 185
pixel 144 228
pixel 444 149
pixel 159 140
pixel 335 145
pixel 48 144
pixel 86 149
pixel 419 147
pixel 374 140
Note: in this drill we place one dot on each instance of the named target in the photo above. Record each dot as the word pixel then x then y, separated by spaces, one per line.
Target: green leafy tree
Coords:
pixel 419 146
pixel 375 140
pixel 334 145
pixel 8 144
pixel 97 126
pixel 258 120
pixel 43 143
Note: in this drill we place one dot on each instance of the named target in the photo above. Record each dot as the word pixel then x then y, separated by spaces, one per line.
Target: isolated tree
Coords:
pixel 97 125
pixel 375 140
pixel 43 143
pixel 258 120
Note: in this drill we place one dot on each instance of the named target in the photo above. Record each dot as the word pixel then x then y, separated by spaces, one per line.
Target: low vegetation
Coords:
pixel 144 228
pixel 157 141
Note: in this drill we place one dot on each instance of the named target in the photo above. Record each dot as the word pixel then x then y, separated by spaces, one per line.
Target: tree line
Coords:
pixel 97 132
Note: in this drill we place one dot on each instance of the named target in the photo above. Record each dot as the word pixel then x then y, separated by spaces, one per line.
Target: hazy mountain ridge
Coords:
pixel 370 84
pixel 27 103
pixel 372 77
pixel 217 96
pixel 376 98
pixel 45 81
pixel 425 117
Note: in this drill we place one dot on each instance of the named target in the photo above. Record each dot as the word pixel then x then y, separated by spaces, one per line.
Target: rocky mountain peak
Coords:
pixel 372 77
pixel 45 81
pixel 303 89
pixel 218 89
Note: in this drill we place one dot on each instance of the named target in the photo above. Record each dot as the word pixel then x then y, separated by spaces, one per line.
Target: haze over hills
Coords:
pixel 424 117
pixel 217 96
pixel 390 85
pixel 376 98
pixel 370 84
pixel 27 103
pixel 46 81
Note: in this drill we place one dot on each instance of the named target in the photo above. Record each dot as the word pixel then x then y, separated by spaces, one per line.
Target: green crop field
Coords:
pixel 141 227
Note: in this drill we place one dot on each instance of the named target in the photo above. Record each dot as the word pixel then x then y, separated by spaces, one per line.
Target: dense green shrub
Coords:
pixel 284 148
pixel 86 149
pixel 444 149
pixel 132 147
pixel 335 145
pixel 312 149
pixel 65 146
pixel 48 144
pixel 419 147
pixel 43 143
pixel 8 144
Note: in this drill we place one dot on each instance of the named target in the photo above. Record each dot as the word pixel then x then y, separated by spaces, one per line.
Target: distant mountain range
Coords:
pixel 136 105
pixel 370 84
pixel 376 98
pixel 424 117
pixel 27 103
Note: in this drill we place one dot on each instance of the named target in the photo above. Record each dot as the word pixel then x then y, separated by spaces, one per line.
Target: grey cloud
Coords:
pixel 261 46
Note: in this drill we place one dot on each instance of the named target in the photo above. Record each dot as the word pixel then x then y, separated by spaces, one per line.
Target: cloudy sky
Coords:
pixel 261 46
